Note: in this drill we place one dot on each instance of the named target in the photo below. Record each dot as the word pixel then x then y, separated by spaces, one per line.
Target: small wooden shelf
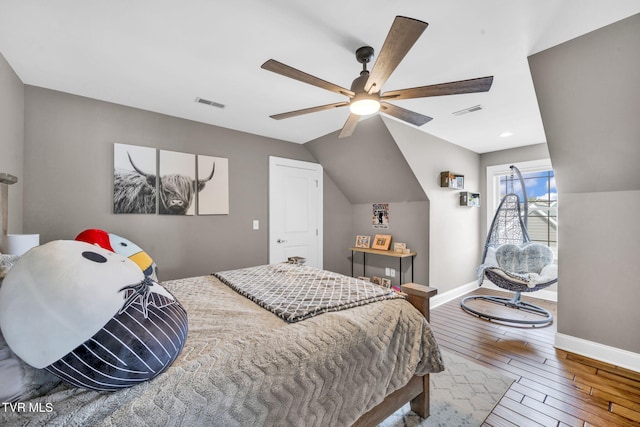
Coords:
pixel 450 179
pixel 381 252
pixel 468 198
pixel 393 254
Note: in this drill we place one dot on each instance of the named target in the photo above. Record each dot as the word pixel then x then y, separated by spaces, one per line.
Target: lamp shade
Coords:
pixel 18 244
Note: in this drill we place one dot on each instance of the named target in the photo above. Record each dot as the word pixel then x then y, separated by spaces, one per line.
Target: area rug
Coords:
pixel 464 394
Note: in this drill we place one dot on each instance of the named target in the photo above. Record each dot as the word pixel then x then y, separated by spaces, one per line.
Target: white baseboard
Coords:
pixel 452 294
pixel 604 353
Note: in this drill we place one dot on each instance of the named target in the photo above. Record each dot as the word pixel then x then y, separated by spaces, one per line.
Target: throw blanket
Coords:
pixel 295 292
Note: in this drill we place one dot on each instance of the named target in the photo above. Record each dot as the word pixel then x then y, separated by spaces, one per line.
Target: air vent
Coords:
pixel 467 110
pixel 209 103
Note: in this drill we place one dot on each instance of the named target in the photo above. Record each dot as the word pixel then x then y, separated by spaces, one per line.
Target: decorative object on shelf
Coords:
pixel 380 217
pixel 296 260
pixel 365 278
pixel 382 242
pixel 399 247
pixel 363 241
pixel 451 180
pixel 19 244
pixel 5 181
pixel 468 198
pixel 386 283
pixel 377 280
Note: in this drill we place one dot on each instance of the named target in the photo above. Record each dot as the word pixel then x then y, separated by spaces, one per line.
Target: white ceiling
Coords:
pixel 159 55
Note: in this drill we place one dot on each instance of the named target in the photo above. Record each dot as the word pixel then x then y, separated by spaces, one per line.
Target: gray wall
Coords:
pixel 369 168
pixel 589 95
pixel 69 168
pixel 11 139
pixel 454 243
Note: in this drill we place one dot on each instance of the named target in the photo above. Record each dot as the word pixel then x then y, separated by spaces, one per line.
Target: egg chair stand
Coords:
pixel 509 226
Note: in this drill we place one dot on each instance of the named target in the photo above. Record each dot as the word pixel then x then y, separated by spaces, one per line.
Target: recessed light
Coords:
pixel 505 134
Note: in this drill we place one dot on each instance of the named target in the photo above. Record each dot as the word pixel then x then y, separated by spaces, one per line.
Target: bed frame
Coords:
pixel 417 389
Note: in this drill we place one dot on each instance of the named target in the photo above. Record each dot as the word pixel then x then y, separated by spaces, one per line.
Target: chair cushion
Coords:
pixel 530 258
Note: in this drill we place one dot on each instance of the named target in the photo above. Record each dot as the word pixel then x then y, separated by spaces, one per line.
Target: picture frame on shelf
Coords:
pixel 399 247
pixel 377 280
pixel 365 278
pixel 382 242
pixel 363 241
pixel 386 283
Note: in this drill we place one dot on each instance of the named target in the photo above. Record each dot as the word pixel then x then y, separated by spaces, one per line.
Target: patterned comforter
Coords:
pixel 242 365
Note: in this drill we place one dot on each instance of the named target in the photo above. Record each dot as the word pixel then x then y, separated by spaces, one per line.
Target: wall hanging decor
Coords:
pixel 213 190
pixel 380 218
pixel 134 179
pixel 177 185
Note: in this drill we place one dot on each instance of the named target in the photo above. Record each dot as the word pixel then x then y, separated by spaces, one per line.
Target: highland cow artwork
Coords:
pixel 134 191
pixel 213 199
pixel 178 183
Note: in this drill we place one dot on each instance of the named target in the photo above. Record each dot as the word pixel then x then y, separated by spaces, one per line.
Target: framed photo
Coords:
pixel 380 217
pixel 399 247
pixel 377 280
pixel 382 242
pixel 386 283
pixel 365 278
pixel 363 241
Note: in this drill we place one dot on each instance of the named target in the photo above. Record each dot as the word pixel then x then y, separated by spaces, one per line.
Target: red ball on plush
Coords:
pixel 95 236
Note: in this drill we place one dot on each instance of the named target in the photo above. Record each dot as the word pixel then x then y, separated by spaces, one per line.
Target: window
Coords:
pixel 542 223
pixel 542 195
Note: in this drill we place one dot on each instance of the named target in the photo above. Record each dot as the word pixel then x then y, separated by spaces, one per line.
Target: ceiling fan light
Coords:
pixel 364 107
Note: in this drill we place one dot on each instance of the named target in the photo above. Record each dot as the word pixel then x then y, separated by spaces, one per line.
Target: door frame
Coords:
pixel 281 161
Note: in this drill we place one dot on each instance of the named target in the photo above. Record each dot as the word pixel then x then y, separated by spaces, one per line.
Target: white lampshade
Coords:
pixel 18 244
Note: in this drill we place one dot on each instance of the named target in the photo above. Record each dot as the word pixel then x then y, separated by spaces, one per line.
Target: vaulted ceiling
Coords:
pixel 162 55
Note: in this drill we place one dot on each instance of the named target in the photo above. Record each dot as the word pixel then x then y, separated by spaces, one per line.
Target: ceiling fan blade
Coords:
pixel 287 71
pixel 349 126
pixel 309 110
pixel 402 36
pixel 404 114
pixel 482 84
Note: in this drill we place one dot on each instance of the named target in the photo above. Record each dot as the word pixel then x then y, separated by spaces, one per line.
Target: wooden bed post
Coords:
pixel 417 389
pixel 419 296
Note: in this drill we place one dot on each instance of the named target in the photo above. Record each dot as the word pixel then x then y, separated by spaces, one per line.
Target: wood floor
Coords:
pixel 552 387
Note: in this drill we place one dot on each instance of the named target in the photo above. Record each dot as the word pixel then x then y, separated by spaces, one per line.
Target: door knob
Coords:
pixel 281 241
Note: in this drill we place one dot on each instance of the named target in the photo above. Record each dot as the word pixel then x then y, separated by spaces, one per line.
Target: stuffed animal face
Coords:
pixel 82 312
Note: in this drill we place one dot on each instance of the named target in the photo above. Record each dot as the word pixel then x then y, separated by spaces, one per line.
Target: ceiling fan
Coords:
pixel 364 96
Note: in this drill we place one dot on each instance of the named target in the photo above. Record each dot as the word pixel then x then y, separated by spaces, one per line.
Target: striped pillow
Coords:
pixel 90 316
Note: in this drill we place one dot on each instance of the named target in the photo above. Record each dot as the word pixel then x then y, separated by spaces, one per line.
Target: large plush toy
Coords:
pixel 121 246
pixel 89 316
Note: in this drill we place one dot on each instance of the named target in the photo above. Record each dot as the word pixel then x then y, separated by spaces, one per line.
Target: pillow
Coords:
pixel 530 258
pixel 6 261
pixel 19 381
pixel 121 246
pixel 89 316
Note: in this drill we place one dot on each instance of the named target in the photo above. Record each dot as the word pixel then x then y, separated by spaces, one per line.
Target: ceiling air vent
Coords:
pixel 209 103
pixel 467 110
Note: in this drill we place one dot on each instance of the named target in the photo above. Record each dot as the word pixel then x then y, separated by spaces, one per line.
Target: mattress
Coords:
pixel 242 365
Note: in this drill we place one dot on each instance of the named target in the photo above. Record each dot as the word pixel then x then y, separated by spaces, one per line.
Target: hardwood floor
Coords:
pixel 552 387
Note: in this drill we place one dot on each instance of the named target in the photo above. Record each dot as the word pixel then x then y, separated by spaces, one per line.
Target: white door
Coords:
pixel 295 211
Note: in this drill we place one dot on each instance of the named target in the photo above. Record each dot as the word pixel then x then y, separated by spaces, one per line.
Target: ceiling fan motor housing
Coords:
pixel 363 103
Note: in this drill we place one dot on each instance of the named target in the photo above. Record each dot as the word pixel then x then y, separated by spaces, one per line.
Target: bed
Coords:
pixel 244 365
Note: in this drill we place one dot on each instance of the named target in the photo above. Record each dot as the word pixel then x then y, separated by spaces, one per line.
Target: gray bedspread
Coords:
pixel 242 365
